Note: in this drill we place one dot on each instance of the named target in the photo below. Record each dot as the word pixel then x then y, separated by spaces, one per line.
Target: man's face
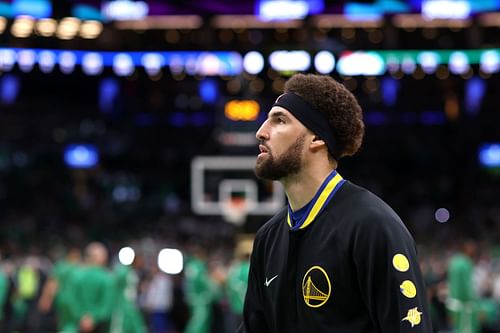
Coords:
pixel 282 138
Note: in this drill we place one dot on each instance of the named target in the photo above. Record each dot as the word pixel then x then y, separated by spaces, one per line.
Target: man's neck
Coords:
pixel 301 188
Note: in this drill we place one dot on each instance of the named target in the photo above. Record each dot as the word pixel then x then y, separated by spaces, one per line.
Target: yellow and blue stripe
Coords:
pixel 327 190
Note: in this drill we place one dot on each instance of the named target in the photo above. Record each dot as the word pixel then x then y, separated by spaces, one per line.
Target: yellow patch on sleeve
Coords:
pixel 408 289
pixel 400 262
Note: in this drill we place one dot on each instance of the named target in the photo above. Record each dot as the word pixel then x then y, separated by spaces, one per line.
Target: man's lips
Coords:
pixel 263 149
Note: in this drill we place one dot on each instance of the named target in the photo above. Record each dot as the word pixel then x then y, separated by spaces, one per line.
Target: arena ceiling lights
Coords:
pixel 123 63
pixel 232 63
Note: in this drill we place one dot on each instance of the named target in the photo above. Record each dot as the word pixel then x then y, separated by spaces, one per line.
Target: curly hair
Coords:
pixel 338 104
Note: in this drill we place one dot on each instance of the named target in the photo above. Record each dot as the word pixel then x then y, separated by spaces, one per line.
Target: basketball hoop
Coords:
pixel 235 210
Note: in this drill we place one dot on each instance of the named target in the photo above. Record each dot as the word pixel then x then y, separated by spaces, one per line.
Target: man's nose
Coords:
pixel 262 133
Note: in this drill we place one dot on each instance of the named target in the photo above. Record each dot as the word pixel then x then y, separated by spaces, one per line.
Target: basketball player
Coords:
pixel 337 258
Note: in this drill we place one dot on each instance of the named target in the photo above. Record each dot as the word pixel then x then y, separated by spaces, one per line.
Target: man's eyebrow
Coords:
pixel 276 114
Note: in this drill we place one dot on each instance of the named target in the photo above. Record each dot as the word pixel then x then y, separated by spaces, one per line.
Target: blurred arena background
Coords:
pixel 131 123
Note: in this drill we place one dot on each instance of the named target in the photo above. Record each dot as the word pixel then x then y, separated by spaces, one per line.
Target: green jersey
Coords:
pixel 460 272
pixel 201 292
pixel 126 317
pixel 92 293
pixel 200 289
pixel 462 301
pixel 4 290
pixel 237 282
pixel 61 273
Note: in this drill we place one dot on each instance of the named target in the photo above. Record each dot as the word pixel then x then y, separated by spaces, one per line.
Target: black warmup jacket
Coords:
pixel 354 269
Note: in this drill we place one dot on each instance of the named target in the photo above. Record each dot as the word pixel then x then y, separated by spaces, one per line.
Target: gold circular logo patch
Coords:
pixel 316 287
pixel 400 262
pixel 408 289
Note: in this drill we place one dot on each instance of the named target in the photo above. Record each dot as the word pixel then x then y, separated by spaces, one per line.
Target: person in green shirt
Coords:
pixel 4 291
pixel 201 292
pixel 55 291
pixel 8 292
pixel 90 301
pixel 126 317
pixel 462 299
pixel 237 282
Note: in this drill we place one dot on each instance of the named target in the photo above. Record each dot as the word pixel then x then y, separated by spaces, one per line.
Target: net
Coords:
pixel 235 210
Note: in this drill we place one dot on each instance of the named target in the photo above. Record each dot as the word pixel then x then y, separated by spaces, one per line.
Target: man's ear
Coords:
pixel 317 143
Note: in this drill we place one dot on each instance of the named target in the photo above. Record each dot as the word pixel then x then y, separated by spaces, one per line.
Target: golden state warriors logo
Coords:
pixel 316 287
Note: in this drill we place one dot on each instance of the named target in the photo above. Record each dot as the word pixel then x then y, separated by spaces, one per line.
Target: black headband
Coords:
pixel 311 118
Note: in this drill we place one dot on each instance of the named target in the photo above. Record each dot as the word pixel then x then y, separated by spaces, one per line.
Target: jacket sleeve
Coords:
pixel 253 312
pixel 388 274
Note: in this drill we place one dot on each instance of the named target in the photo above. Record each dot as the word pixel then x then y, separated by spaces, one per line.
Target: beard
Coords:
pixel 287 164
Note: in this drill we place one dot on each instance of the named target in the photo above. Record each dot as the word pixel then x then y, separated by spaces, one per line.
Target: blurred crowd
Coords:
pixel 87 289
pixel 463 285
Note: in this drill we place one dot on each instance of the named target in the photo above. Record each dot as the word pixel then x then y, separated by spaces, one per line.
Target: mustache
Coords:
pixel 262 142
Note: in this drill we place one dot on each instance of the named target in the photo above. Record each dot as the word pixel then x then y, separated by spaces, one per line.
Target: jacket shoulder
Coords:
pixel 368 211
pixel 274 222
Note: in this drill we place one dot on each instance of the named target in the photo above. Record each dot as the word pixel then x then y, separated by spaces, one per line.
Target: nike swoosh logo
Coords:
pixel 268 282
